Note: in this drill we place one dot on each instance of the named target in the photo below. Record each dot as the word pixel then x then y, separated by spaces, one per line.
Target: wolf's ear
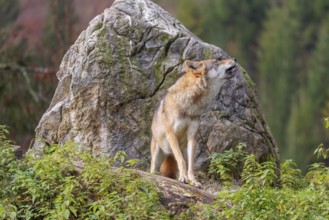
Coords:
pixel 191 66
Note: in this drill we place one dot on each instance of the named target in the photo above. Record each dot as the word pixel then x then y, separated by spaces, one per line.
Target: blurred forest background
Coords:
pixel 284 46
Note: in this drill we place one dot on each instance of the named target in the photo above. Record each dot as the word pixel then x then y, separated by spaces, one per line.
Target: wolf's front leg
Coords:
pixel 173 142
pixel 191 147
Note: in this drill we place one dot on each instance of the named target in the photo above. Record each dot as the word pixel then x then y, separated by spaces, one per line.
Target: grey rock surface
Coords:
pixel 114 76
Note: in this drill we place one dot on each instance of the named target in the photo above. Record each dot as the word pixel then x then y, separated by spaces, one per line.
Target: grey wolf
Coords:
pixel 176 121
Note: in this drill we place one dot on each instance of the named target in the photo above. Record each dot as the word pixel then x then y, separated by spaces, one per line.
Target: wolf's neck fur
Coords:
pixel 193 97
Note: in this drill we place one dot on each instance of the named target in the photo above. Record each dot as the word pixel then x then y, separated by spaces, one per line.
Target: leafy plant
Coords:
pixel 227 165
pixel 318 173
pixel 320 151
pixel 291 176
pixel 318 176
pixel 299 198
pixel 258 174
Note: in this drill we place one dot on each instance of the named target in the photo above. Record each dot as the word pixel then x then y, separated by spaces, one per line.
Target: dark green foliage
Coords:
pixel 22 102
pixel 67 183
pixel 221 22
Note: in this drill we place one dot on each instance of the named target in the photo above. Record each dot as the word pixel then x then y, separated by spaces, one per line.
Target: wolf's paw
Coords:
pixel 196 184
pixel 183 179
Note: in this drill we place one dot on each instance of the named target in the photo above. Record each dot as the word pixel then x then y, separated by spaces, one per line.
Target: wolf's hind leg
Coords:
pixel 157 157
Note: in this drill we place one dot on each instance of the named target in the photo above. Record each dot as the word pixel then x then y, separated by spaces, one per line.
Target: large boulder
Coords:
pixel 114 76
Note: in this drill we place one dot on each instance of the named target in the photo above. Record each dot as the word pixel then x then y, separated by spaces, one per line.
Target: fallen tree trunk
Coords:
pixel 177 196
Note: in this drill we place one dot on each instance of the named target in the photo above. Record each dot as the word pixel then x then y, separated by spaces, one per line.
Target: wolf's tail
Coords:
pixel 169 167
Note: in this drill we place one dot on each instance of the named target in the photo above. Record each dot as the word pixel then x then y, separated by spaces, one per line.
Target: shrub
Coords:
pixel 68 183
pixel 256 174
pixel 291 176
pixel 227 165
pixel 300 197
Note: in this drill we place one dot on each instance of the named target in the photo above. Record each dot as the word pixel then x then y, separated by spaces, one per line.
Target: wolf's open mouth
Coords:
pixel 230 70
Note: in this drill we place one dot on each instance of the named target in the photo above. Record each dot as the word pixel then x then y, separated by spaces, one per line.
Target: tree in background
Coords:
pixel 29 57
pixel 293 75
pixel 26 89
pixel 278 69
pixel 58 31
pixel 16 102
pixel 190 13
pixel 234 25
pixel 9 11
pixel 305 128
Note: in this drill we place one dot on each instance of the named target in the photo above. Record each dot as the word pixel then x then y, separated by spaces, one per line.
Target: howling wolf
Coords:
pixel 176 121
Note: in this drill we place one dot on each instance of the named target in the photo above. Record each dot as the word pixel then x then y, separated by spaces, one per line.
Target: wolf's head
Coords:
pixel 212 69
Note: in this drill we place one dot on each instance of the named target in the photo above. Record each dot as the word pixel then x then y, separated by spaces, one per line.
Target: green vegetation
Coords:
pixel 227 165
pixel 65 183
pixel 298 198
